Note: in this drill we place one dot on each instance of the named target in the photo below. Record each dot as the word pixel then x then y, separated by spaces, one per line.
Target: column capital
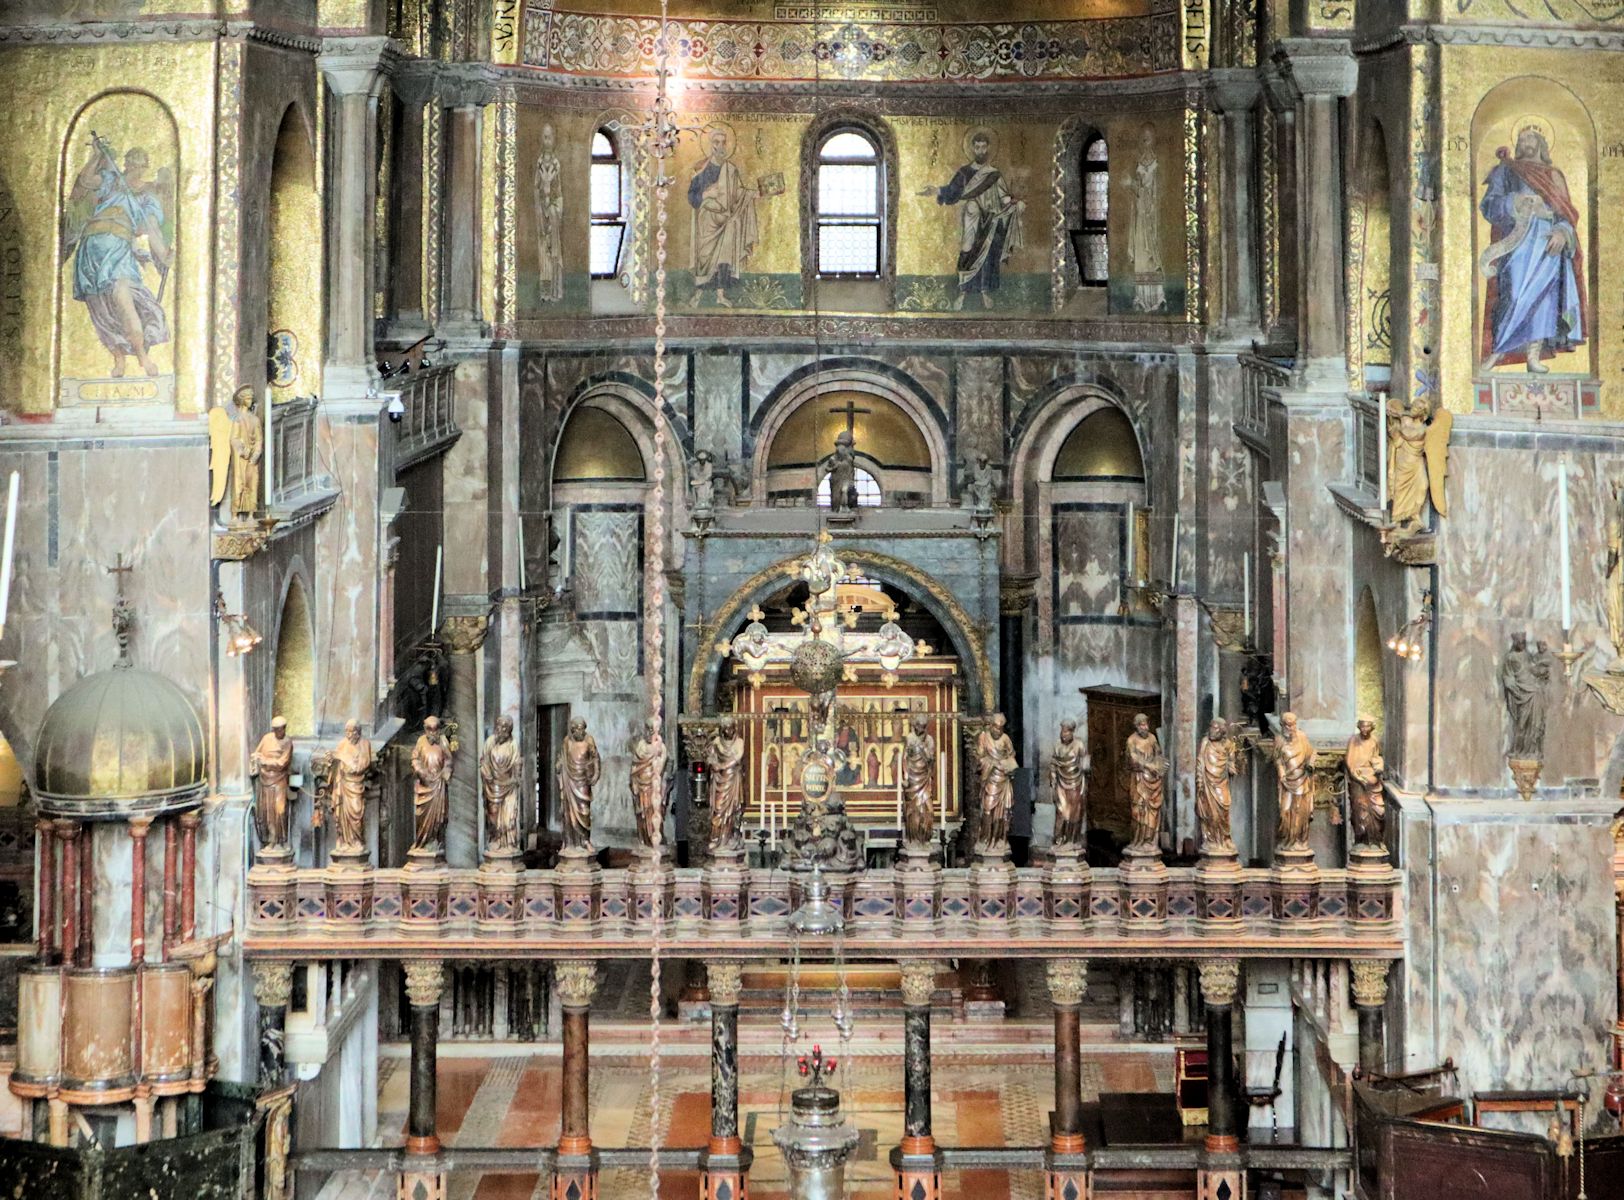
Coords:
pixel 352 64
pixel 1319 66
pixel 191 818
pixel 724 980
pixel 464 635
pixel 466 86
pixel 1015 594
pixel 576 981
pixel 1234 89
pixel 67 829
pixel 1068 980
pixel 1220 979
pixel 141 826
pixel 273 984
pixel 1369 978
pixel 918 981
pixel 425 980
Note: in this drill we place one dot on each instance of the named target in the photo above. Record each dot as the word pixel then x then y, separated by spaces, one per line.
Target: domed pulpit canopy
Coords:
pixel 122 742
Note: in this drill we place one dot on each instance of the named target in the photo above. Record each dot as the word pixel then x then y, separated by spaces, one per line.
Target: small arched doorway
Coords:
pixel 294 686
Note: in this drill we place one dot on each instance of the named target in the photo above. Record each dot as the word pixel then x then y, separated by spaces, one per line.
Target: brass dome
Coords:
pixel 120 741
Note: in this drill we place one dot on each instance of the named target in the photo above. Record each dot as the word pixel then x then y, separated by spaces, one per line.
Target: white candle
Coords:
pixel 524 574
pixel 439 563
pixel 6 555
pixel 941 783
pixel 1246 592
pixel 268 455
pixel 899 804
pixel 1175 571
pixel 1562 541
pixel 762 813
pixel 1131 573
pixel 1381 450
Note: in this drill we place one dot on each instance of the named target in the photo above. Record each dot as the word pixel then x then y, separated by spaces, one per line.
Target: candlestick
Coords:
pixel 1562 529
pixel 439 563
pixel 524 573
pixel 766 796
pixel 1246 594
pixel 1131 574
pixel 1381 450
pixel 6 555
pixel 1175 571
pixel 941 785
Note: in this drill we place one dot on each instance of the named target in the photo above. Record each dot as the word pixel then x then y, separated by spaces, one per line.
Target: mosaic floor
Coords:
pixel 985 1093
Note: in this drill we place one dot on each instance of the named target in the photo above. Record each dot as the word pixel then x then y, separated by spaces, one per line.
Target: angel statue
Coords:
pixel 1417 460
pixel 111 212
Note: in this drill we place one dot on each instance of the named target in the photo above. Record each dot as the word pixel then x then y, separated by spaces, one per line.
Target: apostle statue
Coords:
pixel 1524 680
pixel 579 769
pixel 648 785
pixel 1533 271
pixel 702 485
pixel 724 225
pixel 1366 800
pixel 918 784
pixel 431 786
pixel 1293 759
pixel 843 473
pixel 1216 763
pixel 1417 458
pixel 995 758
pixel 499 770
pixel 1147 783
pixel 980 483
pixel 1068 765
pixel 349 765
pixel 270 765
pixel 247 447
pixel 726 786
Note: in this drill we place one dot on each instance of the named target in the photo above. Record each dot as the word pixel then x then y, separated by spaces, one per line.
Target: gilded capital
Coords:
pixel 1369 982
pixel 425 979
pixel 464 635
pixel 273 984
pixel 1068 980
pixel 1015 593
pixel 725 981
pixel 576 981
pixel 918 981
pixel 1220 979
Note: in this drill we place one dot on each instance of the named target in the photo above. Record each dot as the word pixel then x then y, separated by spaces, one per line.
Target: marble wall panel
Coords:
pixel 1088 548
pixel 1320 652
pixel 466 486
pixel 345 606
pixel 718 384
pixel 1225 489
pixel 980 403
pixel 607 561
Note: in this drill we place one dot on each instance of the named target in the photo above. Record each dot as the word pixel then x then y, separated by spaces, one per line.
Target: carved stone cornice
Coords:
pixel 425 980
pixel 1522 37
pixel 273 984
pixel 1220 979
pixel 1068 981
pixel 234 545
pixel 576 981
pixel 464 635
pixel 918 981
pixel 725 982
pixel 1369 977
pixel 470 86
pixel 353 64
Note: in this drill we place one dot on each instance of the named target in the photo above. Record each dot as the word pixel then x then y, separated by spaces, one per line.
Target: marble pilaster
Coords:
pixel 463 638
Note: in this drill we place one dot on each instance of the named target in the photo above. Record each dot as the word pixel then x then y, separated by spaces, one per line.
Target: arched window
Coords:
pixel 850 226
pixel 1089 242
pixel 608 205
pixel 868 490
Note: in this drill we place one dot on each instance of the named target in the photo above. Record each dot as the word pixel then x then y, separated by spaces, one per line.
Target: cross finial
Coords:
pixel 850 410
pixel 123 614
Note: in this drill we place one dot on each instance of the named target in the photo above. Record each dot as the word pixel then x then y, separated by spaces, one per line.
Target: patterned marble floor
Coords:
pixel 980 1098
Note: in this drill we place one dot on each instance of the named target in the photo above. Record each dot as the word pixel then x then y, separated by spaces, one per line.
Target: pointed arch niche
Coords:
pixel 1371 354
pixel 293 310
pixel 294 687
pixel 1369 686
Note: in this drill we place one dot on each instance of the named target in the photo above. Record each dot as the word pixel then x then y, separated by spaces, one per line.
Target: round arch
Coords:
pixel 293 689
pixel 630 401
pixel 857 375
pixel 968 643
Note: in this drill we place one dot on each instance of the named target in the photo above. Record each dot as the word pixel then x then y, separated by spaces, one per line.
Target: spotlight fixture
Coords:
pixel 240 636
pixel 1410 642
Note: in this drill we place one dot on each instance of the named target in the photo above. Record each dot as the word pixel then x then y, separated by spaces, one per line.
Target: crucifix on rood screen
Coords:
pixel 850 411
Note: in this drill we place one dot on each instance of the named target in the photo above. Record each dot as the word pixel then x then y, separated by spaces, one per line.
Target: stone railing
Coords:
pixel 469 914
pixel 294 465
pixel 1366 443
pixel 1258 377
pixel 429 423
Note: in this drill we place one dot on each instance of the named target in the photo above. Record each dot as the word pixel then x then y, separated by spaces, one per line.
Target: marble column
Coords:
pixel 463 637
pixel 139 828
pixel 1235 95
pixel 724 1164
pixel 350 68
pixel 461 284
pixel 189 821
pixel 1067 1155
pixel 413 88
pixel 87 893
pixel 273 987
pixel 575 1175
pixel 69 832
pixel 420 1173
pixel 917 1161
pixel 171 918
pixel 1222 1170
pixel 1369 977
pixel 45 904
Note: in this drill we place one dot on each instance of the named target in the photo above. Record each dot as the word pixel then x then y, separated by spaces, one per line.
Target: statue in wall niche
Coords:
pixel 350 763
pixel 702 485
pixel 1525 678
pixel 1069 765
pixel 549 181
pixel 918 784
pixel 431 789
pixel 1147 786
pixel 843 473
pixel 995 760
pixel 1417 462
pixel 579 769
pixel 648 785
pixel 980 483
pixel 1293 759
pixel 1366 800
pixel 1216 763
pixel 270 766
pixel 724 222
pixel 1533 271
pixel 989 222
pixel 247 440
pixel 1145 237
pixel 726 786
pixel 111 211
pixel 499 771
